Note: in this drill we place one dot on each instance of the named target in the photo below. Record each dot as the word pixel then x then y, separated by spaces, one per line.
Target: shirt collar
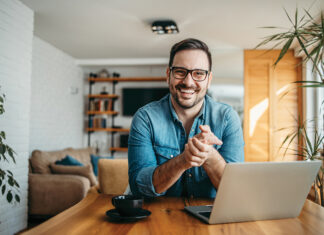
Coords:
pixel 200 115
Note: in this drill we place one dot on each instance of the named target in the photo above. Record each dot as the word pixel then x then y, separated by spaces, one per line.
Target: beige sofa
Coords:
pixel 54 188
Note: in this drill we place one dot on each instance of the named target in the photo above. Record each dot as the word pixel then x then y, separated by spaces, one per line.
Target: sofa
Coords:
pixel 54 188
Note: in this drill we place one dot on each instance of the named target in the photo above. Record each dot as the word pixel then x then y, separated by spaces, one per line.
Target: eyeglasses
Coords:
pixel 198 75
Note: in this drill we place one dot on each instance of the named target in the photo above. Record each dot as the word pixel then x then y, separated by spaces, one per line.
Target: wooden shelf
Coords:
pixel 128 79
pixel 98 96
pixel 118 149
pixel 102 112
pixel 108 129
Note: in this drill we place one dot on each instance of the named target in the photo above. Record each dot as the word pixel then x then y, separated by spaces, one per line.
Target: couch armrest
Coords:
pixel 50 194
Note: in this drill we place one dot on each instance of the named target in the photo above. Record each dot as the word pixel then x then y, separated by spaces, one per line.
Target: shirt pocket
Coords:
pixel 164 154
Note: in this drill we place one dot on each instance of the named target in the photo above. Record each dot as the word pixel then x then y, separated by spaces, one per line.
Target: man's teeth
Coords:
pixel 187 91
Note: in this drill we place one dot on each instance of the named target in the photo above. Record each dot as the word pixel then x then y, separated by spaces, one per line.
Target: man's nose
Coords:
pixel 188 80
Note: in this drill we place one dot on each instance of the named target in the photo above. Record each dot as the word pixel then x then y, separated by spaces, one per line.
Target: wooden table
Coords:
pixel 168 217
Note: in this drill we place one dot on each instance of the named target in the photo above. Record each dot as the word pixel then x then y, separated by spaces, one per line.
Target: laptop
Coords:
pixel 253 191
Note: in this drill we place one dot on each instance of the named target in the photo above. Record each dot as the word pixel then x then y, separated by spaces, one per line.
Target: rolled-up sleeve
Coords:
pixel 141 156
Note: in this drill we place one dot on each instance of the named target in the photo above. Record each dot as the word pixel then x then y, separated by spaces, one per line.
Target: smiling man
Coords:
pixel 179 145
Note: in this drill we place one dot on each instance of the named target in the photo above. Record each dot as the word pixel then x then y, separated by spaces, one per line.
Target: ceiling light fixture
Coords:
pixel 165 27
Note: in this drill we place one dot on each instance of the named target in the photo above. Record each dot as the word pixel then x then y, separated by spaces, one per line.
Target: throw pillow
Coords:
pixel 75 170
pixel 68 161
pixel 95 160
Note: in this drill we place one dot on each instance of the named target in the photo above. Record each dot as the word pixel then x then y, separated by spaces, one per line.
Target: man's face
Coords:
pixel 187 92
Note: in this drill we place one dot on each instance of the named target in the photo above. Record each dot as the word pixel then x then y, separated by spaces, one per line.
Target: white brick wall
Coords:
pixel 16 33
pixel 57 116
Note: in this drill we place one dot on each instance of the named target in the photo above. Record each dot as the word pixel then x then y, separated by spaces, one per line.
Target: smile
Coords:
pixel 187 91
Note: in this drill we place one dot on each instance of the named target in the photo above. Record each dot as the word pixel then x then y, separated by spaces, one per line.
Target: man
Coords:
pixel 179 145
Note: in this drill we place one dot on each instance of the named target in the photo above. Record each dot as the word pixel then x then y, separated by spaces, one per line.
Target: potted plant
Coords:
pixel 308 33
pixel 9 187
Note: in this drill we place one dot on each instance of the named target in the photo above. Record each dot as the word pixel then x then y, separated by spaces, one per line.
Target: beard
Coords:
pixel 180 102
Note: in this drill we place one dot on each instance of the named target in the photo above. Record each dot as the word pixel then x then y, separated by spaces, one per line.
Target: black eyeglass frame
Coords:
pixel 189 71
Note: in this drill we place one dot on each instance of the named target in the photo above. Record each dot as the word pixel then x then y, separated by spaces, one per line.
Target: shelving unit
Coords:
pixel 110 99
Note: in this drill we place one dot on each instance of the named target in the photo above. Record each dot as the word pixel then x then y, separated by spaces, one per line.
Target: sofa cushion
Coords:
pixel 41 160
pixel 94 161
pixel 68 161
pixel 85 171
pixel 82 155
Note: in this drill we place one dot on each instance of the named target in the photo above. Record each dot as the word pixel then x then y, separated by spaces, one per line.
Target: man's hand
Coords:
pixel 192 155
pixel 200 148
pixel 207 136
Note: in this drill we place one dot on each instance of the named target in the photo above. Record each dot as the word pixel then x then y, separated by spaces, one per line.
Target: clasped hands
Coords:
pixel 199 149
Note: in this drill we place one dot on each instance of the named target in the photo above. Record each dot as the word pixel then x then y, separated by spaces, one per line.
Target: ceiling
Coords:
pixel 94 29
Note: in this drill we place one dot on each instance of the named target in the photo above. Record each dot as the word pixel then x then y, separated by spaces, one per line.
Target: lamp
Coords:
pixel 165 27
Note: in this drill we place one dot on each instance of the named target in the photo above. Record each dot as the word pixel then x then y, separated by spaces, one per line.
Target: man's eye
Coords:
pixel 180 72
pixel 200 73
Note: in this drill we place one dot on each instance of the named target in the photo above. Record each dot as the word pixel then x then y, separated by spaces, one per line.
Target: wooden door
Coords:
pixel 271 102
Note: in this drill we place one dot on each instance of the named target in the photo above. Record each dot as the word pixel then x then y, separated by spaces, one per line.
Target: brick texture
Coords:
pixel 57 113
pixel 16 23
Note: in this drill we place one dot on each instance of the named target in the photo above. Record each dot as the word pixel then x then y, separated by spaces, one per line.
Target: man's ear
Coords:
pixel 168 75
pixel 210 77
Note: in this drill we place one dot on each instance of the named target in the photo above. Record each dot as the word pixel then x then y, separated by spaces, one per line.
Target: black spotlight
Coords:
pixel 165 27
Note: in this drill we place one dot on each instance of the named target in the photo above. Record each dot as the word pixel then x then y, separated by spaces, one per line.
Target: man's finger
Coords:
pixel 201 146
pixel 204 128
pixel 208 136
pixel 214 140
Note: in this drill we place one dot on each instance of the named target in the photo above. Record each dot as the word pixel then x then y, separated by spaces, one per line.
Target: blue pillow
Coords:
pixel 68 161
pixel 95 160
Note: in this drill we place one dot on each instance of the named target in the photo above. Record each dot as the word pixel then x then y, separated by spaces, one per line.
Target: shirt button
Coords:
pixel 171 156
pixel 190 175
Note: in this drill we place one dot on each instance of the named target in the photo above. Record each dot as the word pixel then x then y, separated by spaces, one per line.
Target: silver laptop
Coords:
pixel 253 191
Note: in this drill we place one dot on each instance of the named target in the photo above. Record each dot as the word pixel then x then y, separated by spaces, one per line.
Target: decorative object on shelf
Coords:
pixel 165 27
pixel 116 75
pixel 103 73
pixel 308 33
pixel 9 186
pixel 90 122
pixel 97 147
pixel 93 75
pixel 104 91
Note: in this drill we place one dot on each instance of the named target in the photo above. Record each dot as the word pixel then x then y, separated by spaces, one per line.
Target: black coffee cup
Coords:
pixel 127 205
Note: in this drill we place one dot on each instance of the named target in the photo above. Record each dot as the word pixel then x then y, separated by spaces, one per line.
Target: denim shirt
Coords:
pixel 157 135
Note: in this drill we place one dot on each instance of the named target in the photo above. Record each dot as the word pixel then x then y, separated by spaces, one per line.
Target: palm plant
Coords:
pixel 308 33
pixel 8 185
pixel 309 148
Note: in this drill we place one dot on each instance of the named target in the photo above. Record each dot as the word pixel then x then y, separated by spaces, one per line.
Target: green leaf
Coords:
pixel 9 196
pixel 17 198
pixel 288 16
pixel 2 149
pixel 11 181
pixel 16 183
pixel 284 49
pixel 3 134
pixel 3 189
pixel 0 182
pixel 316 82
pixel 10 151
pixel 10 172
pixel 318 85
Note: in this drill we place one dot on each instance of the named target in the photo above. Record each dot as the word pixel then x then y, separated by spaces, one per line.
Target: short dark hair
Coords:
pixel 188 44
